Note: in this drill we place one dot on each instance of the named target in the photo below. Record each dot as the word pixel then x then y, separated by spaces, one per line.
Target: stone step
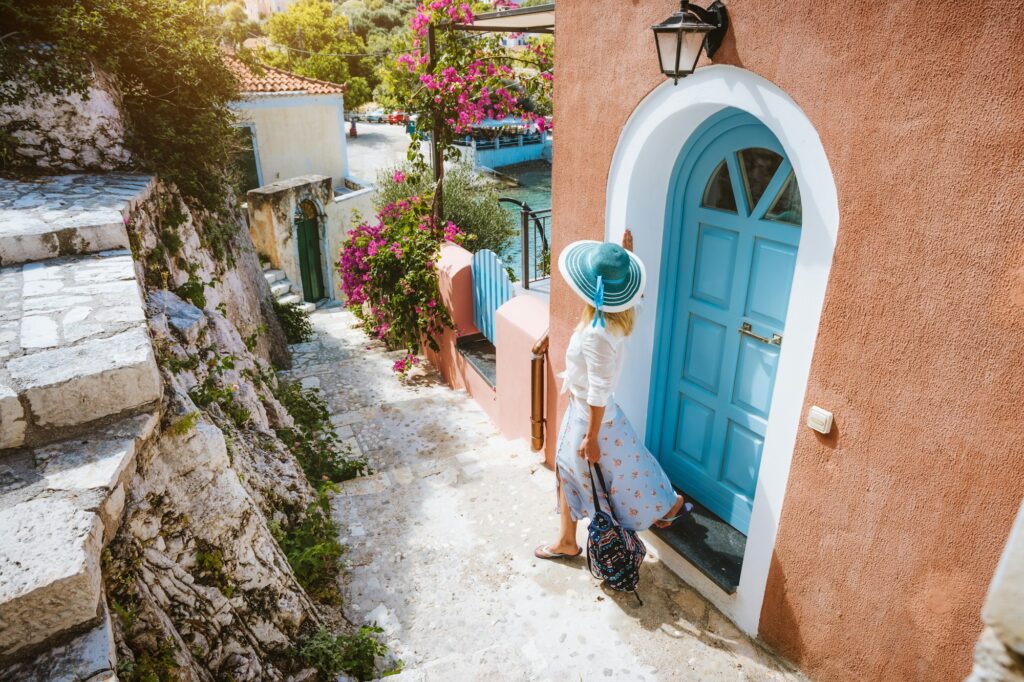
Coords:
pixel 281 288
pixel 60 504
pixel 289 298
pixel 89 657
pixel 273 275
pixel 67 215
pixel 74 347
pixel 307 307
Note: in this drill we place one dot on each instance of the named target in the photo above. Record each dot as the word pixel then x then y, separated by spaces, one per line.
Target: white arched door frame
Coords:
pixel 637 197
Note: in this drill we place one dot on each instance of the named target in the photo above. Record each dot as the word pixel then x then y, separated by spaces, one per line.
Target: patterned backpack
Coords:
pixel 614 553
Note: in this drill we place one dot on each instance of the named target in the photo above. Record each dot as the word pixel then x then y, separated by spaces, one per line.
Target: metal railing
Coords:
pixel 534 229
pixel 500 142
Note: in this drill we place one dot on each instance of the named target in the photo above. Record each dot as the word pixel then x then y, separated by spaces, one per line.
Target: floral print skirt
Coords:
pixel 640 490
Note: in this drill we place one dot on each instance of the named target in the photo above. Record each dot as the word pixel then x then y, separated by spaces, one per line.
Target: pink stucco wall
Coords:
pixel 519 325
pixel 455 275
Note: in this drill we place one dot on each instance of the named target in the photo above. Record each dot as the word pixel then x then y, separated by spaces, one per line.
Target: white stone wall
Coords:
pixel 344 213
pixel 297 135
pixel 68 132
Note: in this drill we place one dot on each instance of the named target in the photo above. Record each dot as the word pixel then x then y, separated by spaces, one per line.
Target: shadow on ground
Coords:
pixel 441 542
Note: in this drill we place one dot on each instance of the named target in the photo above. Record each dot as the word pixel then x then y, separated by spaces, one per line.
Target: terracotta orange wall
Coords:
pixel 891 526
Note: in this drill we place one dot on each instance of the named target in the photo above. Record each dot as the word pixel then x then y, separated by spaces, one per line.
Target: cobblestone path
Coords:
pixel 441 543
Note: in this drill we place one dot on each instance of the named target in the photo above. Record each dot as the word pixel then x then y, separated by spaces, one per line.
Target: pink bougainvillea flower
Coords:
pixel 398 176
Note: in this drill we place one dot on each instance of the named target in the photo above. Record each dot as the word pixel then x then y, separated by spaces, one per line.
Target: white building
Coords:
pixel 296 125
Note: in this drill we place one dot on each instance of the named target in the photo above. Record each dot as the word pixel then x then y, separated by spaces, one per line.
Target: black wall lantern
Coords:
pixel 679 38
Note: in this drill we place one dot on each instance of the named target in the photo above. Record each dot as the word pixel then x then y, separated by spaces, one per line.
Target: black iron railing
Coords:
pixel 534 231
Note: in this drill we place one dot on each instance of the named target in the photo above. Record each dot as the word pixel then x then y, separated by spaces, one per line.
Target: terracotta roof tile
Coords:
pixel 278 80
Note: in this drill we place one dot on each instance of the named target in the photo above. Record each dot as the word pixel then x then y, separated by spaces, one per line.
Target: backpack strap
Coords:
pixel 604 488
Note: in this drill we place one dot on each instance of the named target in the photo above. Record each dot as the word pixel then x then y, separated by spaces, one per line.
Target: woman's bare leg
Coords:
pixel 566 543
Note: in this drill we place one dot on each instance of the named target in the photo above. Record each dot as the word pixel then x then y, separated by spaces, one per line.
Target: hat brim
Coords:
pixel 572 265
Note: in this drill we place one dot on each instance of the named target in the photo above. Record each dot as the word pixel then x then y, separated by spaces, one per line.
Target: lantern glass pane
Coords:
pixel 667 45
pixel 693 41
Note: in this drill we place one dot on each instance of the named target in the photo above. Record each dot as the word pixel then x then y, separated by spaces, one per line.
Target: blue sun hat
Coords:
pixel 603 274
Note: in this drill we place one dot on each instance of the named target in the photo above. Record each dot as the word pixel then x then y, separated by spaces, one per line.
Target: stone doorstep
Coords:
pixel 71 386
pixel 50 557
pixel 273 275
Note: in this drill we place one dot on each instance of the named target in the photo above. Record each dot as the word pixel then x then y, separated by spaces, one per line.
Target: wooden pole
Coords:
pixel 436 157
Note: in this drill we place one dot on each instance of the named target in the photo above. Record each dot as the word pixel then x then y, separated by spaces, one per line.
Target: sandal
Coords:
pixel 669 520
pixel 544 552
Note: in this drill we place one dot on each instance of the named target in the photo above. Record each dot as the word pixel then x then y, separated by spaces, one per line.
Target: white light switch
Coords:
pixel 819 419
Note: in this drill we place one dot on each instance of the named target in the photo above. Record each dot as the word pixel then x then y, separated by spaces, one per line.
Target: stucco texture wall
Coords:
pixel 893 524
pixel 302 135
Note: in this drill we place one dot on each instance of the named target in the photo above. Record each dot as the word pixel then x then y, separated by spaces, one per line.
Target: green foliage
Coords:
pixel 352 654
pixel 167 62
pixel 469 202
pixel 237 27
pixel 183 425
pixel 312 548
pixel 313 441
pixel 295 322
pixel 150 666
pixel 193 291
pixel 218 236
pixel 316 39
pixel 210 568
pixel 210 390
pixel 252 339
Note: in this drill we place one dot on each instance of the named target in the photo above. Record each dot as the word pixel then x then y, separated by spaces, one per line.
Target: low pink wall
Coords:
pixel 455 282
pixel 519 325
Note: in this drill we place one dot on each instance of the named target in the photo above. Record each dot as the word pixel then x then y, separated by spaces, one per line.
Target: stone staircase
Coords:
pixel 283 290
pixel 79 393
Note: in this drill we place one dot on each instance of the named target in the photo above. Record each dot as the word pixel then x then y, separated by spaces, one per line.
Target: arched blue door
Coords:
pixel 731 242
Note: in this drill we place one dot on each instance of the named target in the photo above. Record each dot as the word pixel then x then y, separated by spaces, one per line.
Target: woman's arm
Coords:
pixel 589 448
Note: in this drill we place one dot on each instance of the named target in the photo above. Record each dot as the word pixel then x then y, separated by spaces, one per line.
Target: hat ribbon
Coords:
pixel 599 302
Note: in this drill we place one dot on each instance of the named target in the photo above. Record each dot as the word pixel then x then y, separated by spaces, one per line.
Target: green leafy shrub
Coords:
pixel 193 291
pixel 211 391
pixel 150 666
pixel 167 61
pixel 469 201
pixel 313 550
pixel 295 322
pixel 183 425
pixel 351 654
pixel 313 441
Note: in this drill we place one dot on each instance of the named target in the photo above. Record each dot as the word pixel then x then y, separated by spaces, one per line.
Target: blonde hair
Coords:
pixel 620 323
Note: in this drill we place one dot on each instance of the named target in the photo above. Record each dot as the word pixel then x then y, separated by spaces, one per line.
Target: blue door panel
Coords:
pixel 741 459
pixel 696 423
pixel 771 278
pixel 755 376
pixel 703 364
pixel 715 265
pixel 723 271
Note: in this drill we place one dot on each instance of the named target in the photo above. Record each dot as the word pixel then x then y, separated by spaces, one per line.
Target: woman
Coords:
pixel 611 281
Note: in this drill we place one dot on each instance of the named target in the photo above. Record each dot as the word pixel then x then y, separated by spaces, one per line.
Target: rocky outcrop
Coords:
pixel 68 132
pixel 141 477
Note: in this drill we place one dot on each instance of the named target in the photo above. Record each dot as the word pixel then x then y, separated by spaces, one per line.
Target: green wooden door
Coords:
pixel 310 261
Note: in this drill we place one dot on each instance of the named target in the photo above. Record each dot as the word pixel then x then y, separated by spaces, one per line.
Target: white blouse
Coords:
pixel 593 363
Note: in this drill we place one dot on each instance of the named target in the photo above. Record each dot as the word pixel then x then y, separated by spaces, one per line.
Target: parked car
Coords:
pixel 397 118
pixel 376 116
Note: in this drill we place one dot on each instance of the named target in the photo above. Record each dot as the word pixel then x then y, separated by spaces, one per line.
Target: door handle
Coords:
pixel 747 330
